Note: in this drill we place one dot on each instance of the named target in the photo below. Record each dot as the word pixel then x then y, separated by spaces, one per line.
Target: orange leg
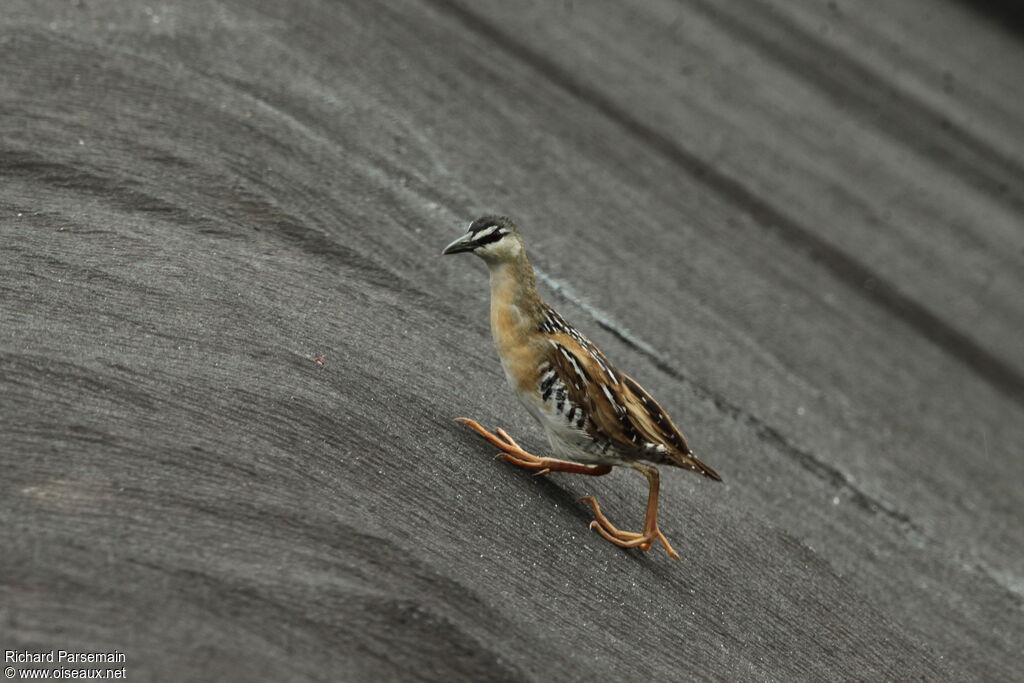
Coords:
pixel 513 453
pixel 651 532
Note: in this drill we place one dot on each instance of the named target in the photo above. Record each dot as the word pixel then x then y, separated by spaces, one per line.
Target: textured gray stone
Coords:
pixel 798 225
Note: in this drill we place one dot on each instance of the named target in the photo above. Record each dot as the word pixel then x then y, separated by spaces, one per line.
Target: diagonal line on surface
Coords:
pixel 988 366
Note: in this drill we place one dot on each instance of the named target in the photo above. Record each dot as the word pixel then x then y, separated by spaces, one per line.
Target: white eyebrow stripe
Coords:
pixel 484 233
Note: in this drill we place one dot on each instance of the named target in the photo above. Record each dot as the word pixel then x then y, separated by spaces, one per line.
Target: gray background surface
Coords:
pixel 797 224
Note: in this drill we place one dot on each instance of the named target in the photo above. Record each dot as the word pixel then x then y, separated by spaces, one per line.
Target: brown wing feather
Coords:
pixel 651 419
pixel 583 376
pixel 620 411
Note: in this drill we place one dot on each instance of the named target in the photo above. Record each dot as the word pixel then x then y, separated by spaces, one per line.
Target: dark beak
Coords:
pixel 464 243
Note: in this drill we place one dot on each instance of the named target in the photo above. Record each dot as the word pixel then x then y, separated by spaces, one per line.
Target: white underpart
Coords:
pixel 567 442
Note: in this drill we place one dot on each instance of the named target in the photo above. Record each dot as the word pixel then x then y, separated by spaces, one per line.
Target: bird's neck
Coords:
pixel 516 307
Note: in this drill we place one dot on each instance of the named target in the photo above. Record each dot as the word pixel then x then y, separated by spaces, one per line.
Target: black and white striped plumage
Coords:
pixel 594 413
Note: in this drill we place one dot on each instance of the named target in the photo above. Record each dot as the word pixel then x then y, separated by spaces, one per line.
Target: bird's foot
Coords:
pixel 513 453
pixel 510 450
pixel 627 539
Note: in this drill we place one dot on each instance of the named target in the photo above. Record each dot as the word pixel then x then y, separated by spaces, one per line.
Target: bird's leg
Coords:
pixel 651 532
pixel 602 521
pixel 512 452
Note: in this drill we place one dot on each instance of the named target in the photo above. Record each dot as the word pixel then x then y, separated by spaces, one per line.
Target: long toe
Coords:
pixel 628 539
pixel 601 521
pixel 668 546
pixel 614 532
pixel 517 459
pixel 504 435
pixel 502 440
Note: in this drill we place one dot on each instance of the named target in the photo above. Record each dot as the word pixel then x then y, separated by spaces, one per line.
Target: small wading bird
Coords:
pixel 595 417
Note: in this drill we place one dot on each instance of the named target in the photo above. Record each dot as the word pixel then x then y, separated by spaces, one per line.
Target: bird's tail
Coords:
pixel 690 462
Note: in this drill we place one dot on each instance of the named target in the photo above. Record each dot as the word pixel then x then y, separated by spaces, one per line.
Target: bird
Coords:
pixel 595 417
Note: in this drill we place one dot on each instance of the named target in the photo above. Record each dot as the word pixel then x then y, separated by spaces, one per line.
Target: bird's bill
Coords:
pixel 464 243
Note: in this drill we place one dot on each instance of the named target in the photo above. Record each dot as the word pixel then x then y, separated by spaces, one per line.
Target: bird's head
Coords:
pixel 492 238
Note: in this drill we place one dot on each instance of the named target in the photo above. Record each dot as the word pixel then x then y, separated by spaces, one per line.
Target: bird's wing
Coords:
pixel 620 411
pixel 588 379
